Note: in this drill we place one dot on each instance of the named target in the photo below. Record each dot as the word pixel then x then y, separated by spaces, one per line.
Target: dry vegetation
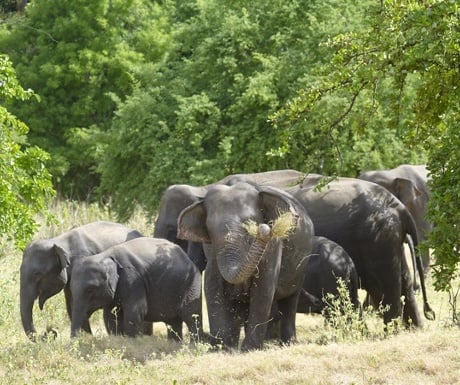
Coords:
pixel 322 355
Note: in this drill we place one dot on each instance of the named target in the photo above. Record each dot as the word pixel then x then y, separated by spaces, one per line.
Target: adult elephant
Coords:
pixel 409 184
pixel 46 265
pixel 249 263
pixel 371 224
pixel 149 279
pixel 178 196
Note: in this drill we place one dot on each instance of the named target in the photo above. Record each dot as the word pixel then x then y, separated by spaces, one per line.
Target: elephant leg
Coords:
pixel 192 316
pixel 224 321
pixel 133 319
pixel 68 301
pixel 288 310
pixel 260 306
pixel 148 328
pixel 174 329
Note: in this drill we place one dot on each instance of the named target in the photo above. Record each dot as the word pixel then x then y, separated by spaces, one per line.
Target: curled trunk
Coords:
pixel 236 268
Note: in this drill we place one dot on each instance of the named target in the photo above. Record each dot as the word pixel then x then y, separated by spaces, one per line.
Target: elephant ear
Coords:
pixel 112 266
pixel 191 224
pixel 275 202
pixel 63 256
pixel 405 190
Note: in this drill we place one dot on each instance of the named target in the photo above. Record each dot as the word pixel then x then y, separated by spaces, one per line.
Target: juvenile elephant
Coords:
pixel 371 224
pixel 46 265
pixel 328 262
pixel 408 183
pixel 149 279
pixel 249 263
pixel 177 197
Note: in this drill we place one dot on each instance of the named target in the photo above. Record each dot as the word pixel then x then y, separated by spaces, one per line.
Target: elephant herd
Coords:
pixel 264 243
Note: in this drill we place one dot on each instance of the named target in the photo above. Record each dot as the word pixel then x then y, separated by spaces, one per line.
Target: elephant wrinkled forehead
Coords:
pixel 38 248
pixel 229 206
pixel 237 197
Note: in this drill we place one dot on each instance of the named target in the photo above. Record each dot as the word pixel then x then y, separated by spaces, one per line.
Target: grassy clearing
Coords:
pixel 322 356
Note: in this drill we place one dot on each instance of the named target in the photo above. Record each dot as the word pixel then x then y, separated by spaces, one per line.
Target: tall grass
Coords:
pixel 344 352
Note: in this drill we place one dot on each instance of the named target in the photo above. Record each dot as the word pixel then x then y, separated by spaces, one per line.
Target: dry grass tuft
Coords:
pixel 281 226
pixel 251 227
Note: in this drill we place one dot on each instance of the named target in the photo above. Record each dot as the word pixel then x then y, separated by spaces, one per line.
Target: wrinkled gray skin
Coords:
pixel 149 279
pixel 328 262
pixel 47 264
pixel 408 183
pixel 246 273
pixel 371 224
pixel 177 197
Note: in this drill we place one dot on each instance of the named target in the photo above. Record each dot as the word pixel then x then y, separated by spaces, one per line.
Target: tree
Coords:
pixel 25 183
pixel 202 114
pixel 410 50
pixel 79 56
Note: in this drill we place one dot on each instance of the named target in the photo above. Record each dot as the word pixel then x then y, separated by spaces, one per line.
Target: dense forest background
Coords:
pixel 131 96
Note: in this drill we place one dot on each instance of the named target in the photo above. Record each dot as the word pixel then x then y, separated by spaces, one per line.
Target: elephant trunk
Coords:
pixel 27 300
pixel 235 268
pixel 79 316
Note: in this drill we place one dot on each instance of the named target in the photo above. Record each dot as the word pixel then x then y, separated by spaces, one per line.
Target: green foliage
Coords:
pixel 403 68
pixel 76 55
pixel 202 114
pixel 25 183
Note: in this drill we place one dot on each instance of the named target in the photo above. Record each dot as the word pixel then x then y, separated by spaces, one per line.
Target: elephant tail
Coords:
pixel 411 229
pixel 410 243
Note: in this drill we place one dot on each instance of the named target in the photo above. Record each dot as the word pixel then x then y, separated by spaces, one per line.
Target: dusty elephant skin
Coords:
pixel 408 183
pixel 247 270
pixel 371 224
pixel 46 265
pixel 177 197
pixel 148 279
pixel 328 262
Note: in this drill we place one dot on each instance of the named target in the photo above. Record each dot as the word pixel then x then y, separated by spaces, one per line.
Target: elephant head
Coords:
pixel 93 286
pixel 238 221
pixel 43 274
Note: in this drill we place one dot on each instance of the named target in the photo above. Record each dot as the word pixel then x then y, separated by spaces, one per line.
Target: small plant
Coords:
pixel 343 321
pixel 346 323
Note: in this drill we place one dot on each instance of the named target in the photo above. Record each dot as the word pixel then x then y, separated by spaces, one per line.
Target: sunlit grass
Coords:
pixel 322 355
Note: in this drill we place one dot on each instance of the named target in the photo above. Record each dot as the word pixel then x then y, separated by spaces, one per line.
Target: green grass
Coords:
pixel 323 355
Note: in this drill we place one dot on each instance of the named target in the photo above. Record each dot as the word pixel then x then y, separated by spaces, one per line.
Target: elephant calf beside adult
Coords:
pixel 249 264
pixel 371 224
pixel 408 183
pixel 147 279
pixel 46 265
pixel 328 263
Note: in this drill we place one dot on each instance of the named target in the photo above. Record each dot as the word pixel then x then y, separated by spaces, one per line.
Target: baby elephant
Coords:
pixel 147 279
pixel 328 262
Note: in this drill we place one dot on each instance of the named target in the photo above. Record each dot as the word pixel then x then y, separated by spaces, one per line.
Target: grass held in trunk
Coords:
pixel 281 227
